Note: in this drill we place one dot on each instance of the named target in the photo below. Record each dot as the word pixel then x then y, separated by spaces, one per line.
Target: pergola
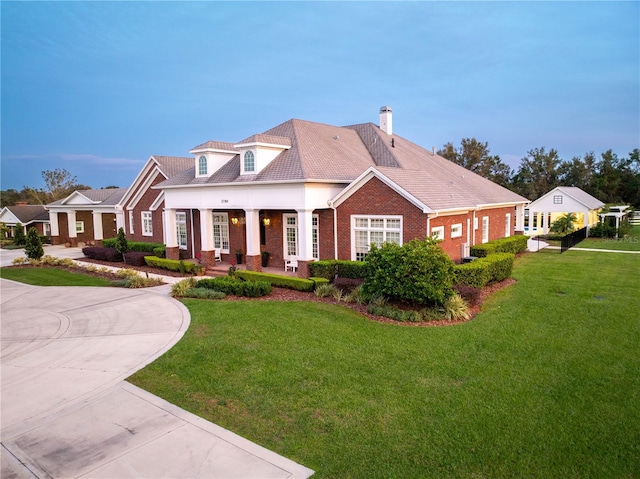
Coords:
pixel 617 212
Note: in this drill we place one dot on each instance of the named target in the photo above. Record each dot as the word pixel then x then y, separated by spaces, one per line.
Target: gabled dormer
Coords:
pixel 257 151
pixel 211 156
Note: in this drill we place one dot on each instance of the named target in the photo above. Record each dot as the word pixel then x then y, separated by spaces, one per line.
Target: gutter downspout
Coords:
pixel 335 229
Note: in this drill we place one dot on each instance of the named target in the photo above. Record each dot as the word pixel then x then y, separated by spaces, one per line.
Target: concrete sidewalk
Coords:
pixel 67 411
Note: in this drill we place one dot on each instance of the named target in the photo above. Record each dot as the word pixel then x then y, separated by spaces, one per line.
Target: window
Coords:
pixel 131 221
pixel 290 235
pixel 456 230
pixel 475 223
pixel 373 229
pixel 557 199
pixel 147 224
pixel 507 225
pixel 437 232
pixel 202 165
pixel 249 162
pixel 79 226
pixel 181 229
pixel 221 232
pixel 485 229
pixel 314 237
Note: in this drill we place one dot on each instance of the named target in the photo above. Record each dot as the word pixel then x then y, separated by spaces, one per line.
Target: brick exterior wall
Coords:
pixel 144 204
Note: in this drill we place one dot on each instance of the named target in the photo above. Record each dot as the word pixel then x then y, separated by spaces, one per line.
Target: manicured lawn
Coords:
pixel 629 243
pixel 544 383
pixel 51 277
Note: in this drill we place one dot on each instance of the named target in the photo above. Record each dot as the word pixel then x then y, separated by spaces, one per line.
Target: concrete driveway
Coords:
pixel 67 411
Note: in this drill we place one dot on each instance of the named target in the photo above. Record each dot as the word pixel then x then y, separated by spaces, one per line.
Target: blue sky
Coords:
pixel 98 87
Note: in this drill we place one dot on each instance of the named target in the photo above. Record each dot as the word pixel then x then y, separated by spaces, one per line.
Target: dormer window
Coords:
pixel 202 165
pixel 249 162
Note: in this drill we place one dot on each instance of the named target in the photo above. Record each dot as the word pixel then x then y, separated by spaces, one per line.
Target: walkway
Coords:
pixel 66 409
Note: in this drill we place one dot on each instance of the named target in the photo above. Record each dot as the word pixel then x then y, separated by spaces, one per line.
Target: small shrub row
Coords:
pixel 279 281
pixel 391 312
pixel 511 244
pixel 102 253
pixel 481 272
pixel 344 269
pixel 141 246
pixel 136 258
pixel 236 287
pixel 203 293
pixel 170 264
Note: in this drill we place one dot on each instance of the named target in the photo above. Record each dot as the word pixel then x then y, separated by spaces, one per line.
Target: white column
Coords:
pixel 120 220
pixel 71 227
pixel 531 215
pixel 305 235
pixel 520 217
pixel 544 222
pixel 252 228
pixel 98 234
pixel 206 229
pixel 53 221
pixel 170 236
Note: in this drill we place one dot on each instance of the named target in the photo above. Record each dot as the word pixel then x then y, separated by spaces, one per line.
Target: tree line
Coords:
pixel 610 178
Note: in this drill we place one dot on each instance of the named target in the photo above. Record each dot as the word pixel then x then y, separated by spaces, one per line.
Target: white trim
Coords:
pixel 131 223
pixel 157 202
pixel 456 234
pixel 143 188
pixel 385 230
pixel 485 229
pixel 146 231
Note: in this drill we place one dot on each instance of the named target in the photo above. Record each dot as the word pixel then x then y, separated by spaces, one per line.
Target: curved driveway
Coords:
pixel 67 411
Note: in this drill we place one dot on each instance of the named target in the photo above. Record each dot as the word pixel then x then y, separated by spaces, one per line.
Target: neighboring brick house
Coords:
pixel 28 216
pixel 142 205
pixel 86 215
pixel 304 191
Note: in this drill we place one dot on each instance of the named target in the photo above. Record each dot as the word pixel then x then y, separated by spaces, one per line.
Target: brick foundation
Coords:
pixel 173 253
pixel 208 258
pixel 304 271
pixel 254 263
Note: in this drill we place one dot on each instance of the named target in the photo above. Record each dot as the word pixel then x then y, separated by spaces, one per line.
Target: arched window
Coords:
pixel 202 165
pixel 249 162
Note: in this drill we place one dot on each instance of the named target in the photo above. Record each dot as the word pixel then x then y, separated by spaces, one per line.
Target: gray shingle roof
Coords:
pixel 214 145
pixel 29 213
pixel 171 166
pixel 341 154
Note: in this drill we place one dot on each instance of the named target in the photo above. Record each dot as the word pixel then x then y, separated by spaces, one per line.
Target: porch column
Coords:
pixel 544 222
pixel 73 234
pixel 120 220
pixel 519 218
pixel 252 228
pixel 305 242
pixel 98 234
pixel 170 234
pixel 208 253
pixel 55 226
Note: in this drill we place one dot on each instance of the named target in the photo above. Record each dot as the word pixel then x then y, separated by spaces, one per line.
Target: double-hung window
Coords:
pixel 202 166
pixel 131 230
pixel 366 230
pixel 485 229
pixel 147 224
pixel 221 232
pixel 507 225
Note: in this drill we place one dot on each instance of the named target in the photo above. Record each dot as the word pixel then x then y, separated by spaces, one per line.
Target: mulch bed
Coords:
pixel 283 294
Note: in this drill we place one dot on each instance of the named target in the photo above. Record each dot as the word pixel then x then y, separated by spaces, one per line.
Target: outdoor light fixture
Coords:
pixel 234 220
pixel 266 221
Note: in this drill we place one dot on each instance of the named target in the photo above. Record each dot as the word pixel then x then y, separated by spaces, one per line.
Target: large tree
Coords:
pixel 475 156
pixel 579 172
pixel 59 183
pixel 537 173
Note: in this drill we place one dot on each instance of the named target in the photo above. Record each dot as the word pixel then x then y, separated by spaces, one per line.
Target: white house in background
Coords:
pixel 28 216
pixel 541 213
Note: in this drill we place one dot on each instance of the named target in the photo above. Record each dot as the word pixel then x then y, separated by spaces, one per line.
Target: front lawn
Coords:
pixel 45 276
pixel 630 242
pixel 543 383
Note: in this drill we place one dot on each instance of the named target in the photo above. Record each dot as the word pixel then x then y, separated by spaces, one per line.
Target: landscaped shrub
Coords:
pixel 33 247
pixel 180 288
pixel 347 284
pixel 170 264
pixel 500 265
pixel 279 281
pixel 602 230
pixel 344 269
pixel 203 293
pixel 319 281
pixel 18 235
pixel 141 246
pixel 455 308
pixel 418 272
pixel 394 313
pixel 101 253
pixel 136 258
pixel 325 290
pixel 512 244
pixel 482 250
pixel 122 245
pixel 479 273
pixel 470 294
pixel 236 287
pixel 160 251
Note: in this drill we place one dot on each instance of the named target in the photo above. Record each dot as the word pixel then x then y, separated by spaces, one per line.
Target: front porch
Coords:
pixel 221 268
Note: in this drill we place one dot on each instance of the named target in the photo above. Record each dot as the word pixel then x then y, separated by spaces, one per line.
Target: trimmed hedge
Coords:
pixel 141 246
pixel 318 281
pixel 345 269
pixel 512 244
pixel 236 287
pixel 170 264
pixel 479 273
pixel 136 258
pixel 277 280
pixel 102 253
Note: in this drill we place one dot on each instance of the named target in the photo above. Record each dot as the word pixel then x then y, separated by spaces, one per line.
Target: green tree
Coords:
pixel 475 156
pixel 579 172
pixel 33 246
pixel 537 173
pixel 121 242
pixel 18 234
pixel 59 184
pixel 564 224
pixel 418 272
pixel 9 197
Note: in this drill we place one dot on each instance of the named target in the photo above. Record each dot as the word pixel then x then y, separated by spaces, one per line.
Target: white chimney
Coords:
pixel 386 124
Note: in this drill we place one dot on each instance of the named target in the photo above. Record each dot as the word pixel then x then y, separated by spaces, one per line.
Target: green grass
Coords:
pixel 51 277
pixel 630 242
pixel 543 383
